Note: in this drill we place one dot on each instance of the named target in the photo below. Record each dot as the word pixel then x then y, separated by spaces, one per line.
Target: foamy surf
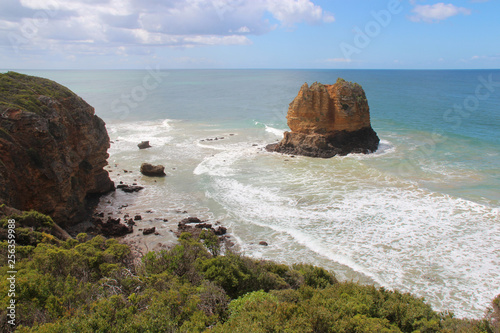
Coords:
pixel 275 131
pixel 401 236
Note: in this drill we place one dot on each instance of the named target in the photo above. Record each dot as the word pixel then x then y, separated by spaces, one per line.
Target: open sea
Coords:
pixel 421 215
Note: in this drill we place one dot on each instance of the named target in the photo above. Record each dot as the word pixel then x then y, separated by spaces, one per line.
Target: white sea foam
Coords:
pixel 221 164
pixel 127 135
pixel 385 147
pixel 275 131
pixel 402 236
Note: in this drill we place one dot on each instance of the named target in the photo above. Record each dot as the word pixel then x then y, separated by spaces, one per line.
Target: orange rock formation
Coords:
pixel 328 120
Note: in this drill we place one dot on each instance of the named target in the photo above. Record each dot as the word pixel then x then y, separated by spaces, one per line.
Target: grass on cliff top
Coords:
pixel 21 92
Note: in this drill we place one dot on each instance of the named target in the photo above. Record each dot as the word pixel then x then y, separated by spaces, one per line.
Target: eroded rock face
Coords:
pixel 53 149
pixel 328 120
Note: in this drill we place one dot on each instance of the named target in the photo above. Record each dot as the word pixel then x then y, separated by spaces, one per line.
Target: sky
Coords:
pixel 169 34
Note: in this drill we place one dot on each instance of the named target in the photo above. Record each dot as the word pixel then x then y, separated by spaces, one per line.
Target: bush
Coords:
pixel 92 285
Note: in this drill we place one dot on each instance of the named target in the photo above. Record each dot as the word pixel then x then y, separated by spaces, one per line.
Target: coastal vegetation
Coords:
pixel 197 285
pixel 20 91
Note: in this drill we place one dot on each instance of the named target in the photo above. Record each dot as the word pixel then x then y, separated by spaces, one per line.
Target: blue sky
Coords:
pixel 115 34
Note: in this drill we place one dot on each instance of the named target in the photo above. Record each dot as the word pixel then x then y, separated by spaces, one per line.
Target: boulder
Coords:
pixel 220 231
pixel 149 231
pixel 144 145
pixel 129 188
pixel 328 120
pixel 112 227
pixel 153 170
pixel 191 220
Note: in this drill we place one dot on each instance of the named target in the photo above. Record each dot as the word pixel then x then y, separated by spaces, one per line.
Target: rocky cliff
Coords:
pixel 328 120
pixel 52 149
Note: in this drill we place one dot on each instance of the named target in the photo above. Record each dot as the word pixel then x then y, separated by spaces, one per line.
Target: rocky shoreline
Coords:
pixel 116 216
pixel 54 160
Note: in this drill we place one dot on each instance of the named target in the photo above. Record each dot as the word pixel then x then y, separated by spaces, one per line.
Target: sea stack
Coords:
pixel 328 120
pixel 53 149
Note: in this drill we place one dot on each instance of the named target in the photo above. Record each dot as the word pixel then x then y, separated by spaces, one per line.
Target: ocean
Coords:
pixel 421 215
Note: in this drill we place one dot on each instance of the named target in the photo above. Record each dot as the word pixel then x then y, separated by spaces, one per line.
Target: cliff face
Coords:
pixel 52 149
pixel 328 120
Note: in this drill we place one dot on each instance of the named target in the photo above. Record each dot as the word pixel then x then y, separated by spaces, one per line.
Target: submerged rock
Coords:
pixel 153 170
pixel 328 120
pixel 53 149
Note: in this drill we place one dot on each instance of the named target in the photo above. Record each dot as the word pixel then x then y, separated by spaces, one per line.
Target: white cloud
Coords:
pixel 243 30
pixel 290 12
pixel 494 57
pixel 130 23
pixel 437 12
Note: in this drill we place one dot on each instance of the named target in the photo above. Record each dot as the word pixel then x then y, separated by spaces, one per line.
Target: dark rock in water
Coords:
pixel 144 145
pixel 112 228
pixel 153 170
pixel 263 243
pixel 129 188
pixel 113 221
pixel 203 226
pixel 149 231
pixel 220 231
pixel 328 120
pixel 137 218
pixel 191 220
pixel 53 149
pixel 130 222
pixel 363 141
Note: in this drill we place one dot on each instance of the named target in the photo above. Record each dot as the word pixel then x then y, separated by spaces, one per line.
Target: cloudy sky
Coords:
pixel 100 34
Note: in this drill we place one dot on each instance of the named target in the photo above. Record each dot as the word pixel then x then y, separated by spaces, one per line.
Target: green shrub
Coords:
pixel 229 272
pixel 92 285
pixel 315 276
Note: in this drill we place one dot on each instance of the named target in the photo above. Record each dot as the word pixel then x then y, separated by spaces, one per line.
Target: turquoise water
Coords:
pixel 421 215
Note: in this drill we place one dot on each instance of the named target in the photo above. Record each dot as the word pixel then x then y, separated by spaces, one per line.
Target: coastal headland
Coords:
pixel 53 153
